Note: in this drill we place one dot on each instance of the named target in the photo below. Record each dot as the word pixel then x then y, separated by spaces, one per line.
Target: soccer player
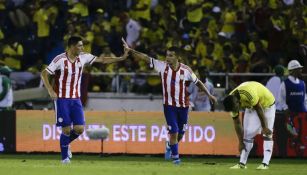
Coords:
pixel 259 116
pixel 176 78
pixel 67 70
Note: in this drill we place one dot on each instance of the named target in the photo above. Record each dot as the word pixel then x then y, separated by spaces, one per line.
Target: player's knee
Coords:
pixel 79 129
pixel 173 138
pixel 66 131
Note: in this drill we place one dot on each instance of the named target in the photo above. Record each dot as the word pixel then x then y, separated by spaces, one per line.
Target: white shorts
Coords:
pixel 251 121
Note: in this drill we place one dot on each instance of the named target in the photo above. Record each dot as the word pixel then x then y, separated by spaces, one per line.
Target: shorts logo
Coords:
pixel 60 119
pixel 185 127
pixel 169 127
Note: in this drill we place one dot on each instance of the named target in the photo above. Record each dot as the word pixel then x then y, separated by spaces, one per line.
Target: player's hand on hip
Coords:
pixel 52 94
pixel 266 131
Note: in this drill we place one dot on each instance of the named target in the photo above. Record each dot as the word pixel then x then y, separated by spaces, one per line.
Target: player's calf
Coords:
pixel 69 153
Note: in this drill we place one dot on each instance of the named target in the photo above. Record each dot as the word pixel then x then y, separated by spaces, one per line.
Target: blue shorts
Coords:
pixel 176 119
pixel 69 111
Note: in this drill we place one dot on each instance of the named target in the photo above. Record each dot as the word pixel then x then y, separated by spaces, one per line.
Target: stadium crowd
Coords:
pixel 222 35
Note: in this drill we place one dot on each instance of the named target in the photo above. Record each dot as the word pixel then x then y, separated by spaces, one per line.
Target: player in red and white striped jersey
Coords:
pixel 174 82
pixel 68 74
pixel 176 78
pixel 67 69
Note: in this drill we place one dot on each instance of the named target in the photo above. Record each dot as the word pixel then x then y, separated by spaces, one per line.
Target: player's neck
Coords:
pixel 72 57
pixel 175 66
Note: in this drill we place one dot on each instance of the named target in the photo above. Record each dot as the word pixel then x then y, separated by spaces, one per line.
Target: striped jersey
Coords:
pixel 68 74
pixel 174 83
pixel 252 92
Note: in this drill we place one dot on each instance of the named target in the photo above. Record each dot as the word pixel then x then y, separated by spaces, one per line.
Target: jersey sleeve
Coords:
pixel 88 58
pixel 53 66
pixel 191 76
pixel 158 65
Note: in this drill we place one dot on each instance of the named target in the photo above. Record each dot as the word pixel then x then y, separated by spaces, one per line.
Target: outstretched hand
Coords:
pixel 126 53
pixel 126 49
pixel 126 46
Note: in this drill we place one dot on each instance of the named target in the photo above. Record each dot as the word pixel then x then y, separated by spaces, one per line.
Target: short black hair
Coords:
pixel 73 40
pixel 174 49
pixel 228 102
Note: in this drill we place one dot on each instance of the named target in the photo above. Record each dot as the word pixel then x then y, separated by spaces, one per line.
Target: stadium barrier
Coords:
pixel 224 77
pixel 145 133
pixel 7 131
pixel 290 136
pixel 130 132
pixel 219 79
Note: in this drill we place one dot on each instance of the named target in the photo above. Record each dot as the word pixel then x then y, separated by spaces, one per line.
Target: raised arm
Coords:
pixel 136 54
pixel 108 60
pixel 45 77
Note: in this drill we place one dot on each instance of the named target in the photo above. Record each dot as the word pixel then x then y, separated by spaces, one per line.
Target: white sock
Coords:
pixel 244 154
pixel 267 151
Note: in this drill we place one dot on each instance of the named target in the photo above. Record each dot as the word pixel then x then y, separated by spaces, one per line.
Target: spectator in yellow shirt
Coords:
pixel 13 53
pixel 141 12
pixel 194 11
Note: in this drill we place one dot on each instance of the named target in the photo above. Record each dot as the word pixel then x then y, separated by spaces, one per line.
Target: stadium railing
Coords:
pixel 220 80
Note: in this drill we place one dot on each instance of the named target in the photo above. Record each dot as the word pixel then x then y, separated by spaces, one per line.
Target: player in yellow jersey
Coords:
pixel 259 115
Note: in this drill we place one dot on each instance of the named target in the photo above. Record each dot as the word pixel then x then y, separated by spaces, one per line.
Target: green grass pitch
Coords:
pixel 46 164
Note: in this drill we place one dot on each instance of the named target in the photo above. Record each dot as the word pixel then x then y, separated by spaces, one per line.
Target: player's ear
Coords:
pixel 178 55
pixel 179 58
pixel 236 94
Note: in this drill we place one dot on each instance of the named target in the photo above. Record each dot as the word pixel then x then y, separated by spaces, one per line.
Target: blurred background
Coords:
pixel 234 40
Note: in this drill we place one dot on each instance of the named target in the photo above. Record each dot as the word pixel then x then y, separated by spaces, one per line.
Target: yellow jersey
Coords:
pixel 41 18
pixel 252 92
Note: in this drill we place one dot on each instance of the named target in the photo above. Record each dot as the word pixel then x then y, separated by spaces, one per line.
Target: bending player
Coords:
pixel 259 116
